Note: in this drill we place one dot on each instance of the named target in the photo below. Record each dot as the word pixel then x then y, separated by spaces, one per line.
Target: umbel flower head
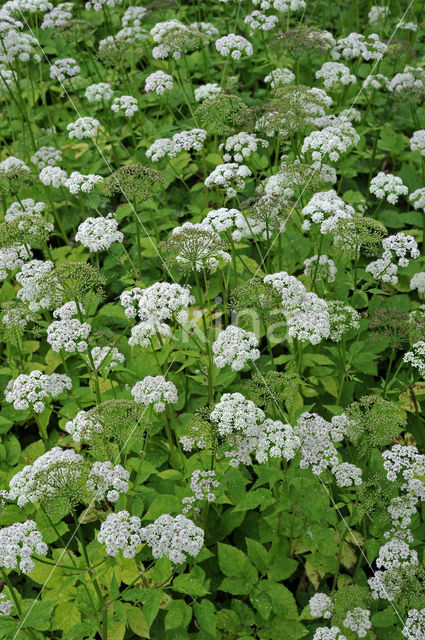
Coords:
pixel 121 532
pixel 224 110
pixel 62 479
pixel 31 391
pixel 357 233
pixel 235 347
pixel 15 176
pixel 134 181
pixel 155 391
pixel 173 538
pixel 27 230
pixel 292 109
pixel 301 40
pixel 194 248
pixel 373 422
pixel 174 38
pixel 17 544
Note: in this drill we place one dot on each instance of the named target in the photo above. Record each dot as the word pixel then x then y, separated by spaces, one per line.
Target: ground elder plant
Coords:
pixel 212 312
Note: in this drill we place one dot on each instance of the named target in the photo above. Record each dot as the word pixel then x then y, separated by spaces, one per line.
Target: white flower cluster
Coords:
pixel 323 268
pixel 356 45
pixel 230 176
pixel 258 20
pixel 31 390
pixel 417 198
pixel 121 532
pixel 383 269
pixel 233 45
pixel 131 35
pixel 69 335
pixel 347 474
pixel 98 234
pixel 106 357
pixel 83 427
pixel 190 140
pixel 276 440
pixel 317 448
pixel 224 219
pixel 77 182
pixel 17 544
pixel 161 301
pixel 414 628
pixel 68 310
pixel 5 605
pixel 235 347
pixel 143 333
pixel 342 318
pixel 64 68
pixel 161 32
pixel 325 209
pixel 400 246
pixel 46 157
pixel 279 78
pixel 375 81
pixel 234 413
pixel 125 104
pixel 12 258
pixel 97 5
pixel 155 391
pixel 416 357
pixel 158 82
pixel 49 475
pixel 241 146
pixel 321 605
pixel 401 509
pixel 173 538
pixel 53 177
pixel 202 484
pixel 410 79
pixel 99 92
pixel 385 185
pixel 58 17
pixel 133 16
pixel 310 322
pixel 32 280
pixel 26 207
pixel 283 6
pixel 418 282
pixel 331 142
pixel 107 481
pixel 209 90
pixel 85 127
pixel 334 73
pixel 19 46
pixel 358 620
pixel 291 290
pixel 11 163
pixel 417 141
pixel 328 633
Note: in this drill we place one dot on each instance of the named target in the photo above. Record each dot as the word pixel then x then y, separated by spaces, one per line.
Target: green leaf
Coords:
pixel 258 555
pixel 151 602
pixel 241 574
pixel 178 615
pixel 185 583
pixel 37 614
pixel 137 622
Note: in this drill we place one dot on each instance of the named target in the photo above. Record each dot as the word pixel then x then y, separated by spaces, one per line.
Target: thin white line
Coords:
pixel 353 103
pixel 329 494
